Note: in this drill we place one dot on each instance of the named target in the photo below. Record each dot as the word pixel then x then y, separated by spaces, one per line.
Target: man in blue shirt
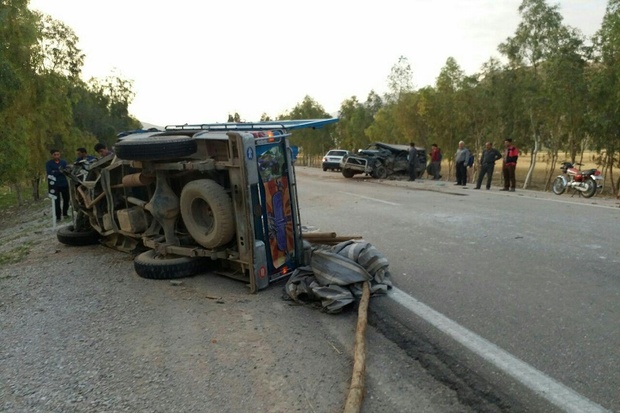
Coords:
pixel 57 183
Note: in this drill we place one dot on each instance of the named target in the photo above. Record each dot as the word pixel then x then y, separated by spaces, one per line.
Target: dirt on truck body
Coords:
pixel 195 197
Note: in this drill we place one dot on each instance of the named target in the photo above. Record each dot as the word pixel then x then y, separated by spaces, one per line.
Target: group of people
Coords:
pixel 57 181
pixel 433 168
pixel 487 164
pixel 490 155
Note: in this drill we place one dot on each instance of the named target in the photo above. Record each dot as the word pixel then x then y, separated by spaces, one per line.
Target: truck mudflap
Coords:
pixel 260 278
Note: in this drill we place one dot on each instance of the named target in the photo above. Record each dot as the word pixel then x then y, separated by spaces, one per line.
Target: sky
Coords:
pixel 197 61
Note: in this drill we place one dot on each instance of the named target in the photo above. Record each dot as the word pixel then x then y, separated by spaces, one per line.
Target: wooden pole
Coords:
pixel 356 390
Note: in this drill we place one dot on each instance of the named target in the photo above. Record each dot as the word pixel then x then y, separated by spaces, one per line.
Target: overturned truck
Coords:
pixel 194 198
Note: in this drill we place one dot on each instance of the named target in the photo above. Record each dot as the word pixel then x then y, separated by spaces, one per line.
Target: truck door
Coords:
pixel 278 215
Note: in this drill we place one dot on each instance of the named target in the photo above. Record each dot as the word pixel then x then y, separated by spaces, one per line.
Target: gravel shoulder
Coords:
pixel 81 332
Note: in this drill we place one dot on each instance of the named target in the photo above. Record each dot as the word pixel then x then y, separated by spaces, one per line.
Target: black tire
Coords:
pixel 68 236
pixel 380 172
pixel 347 173
pixel 207 211
pixel 153 267
pixel 156 148
pixel 591 190
pixel 324 169
pixel 558 186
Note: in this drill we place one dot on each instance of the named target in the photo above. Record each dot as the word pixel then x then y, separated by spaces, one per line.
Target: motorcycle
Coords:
pixel 586 181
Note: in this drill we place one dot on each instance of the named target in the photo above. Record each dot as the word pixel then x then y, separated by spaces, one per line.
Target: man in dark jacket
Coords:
pixel 413 162
pixel 510 165
pixel 57 182
pixel 487 164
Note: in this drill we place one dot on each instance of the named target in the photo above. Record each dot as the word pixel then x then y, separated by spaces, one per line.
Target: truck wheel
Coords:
pixel 68 236
pixel 207 212
pixel 347 173
pixel 156 148
pixel 154 267
pixel 380 172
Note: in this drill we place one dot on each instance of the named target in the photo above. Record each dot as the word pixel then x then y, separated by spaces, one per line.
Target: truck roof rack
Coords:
pixel 255 126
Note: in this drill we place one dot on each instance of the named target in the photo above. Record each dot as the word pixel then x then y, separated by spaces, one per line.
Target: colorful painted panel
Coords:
pixel 277 203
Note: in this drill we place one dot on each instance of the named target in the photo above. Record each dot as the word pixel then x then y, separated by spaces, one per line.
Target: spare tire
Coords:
pixel 207 212
pixel 69 236
pixel 151 266
pixel 156 148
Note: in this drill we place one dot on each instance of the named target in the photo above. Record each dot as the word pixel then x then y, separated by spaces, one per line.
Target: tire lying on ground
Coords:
pixel 69 236
pixel 207 212
pixel 151 266
pixel 156 148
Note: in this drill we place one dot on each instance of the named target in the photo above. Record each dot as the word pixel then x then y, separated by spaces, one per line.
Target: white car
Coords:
pixel 332 159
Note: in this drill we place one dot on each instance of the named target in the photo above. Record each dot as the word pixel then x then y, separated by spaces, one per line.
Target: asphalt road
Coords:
pixel 536 275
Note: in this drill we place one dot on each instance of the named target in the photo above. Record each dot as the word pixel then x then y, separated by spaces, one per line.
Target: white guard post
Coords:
pixel 51 180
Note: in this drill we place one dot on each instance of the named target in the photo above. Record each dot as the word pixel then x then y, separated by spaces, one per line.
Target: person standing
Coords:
pixel 460 159
pixel 509 167
pixel 413 162
pixel 487 164
pixel 57 183
pixel 435 162
pixel 82 155
pixel 103 150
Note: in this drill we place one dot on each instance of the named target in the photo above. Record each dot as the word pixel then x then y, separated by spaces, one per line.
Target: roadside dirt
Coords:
pixel 81 332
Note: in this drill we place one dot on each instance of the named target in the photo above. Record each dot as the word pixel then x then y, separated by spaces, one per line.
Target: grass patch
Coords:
pixel 8 198
pixel 16 254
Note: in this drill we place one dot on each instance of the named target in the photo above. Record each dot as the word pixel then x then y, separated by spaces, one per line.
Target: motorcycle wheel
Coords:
pixel 558 186
pixel 591 188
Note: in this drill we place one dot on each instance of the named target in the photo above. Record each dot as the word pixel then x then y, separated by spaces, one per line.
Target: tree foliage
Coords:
pixel 43 101
pixel 557 92
pixel 311 142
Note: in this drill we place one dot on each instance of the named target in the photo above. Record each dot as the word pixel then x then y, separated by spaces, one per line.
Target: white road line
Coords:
pixel 569 202
pixel 561 396
pixel 371 199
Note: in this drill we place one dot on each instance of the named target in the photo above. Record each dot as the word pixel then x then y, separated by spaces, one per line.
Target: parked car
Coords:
pixel 381 160
pixel 332 159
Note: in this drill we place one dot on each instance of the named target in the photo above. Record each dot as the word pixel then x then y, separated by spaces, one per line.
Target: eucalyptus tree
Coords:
pixel 109 99
pixel 352 130
pixel 411 116
pixel 564 87
pixel 488 91
pixel 604 86
pixel 384 127
pixel 400 79
pixel 18 37
pixel 536 38
pixel 394 122
pixel 443 119
pixel 234 117
pixel 355 118
pixel 58 63
pixel 313 142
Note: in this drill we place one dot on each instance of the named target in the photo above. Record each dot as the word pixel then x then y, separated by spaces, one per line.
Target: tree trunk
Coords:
pixel 36 181
pixel 610 166
pixel 528 177
pixel 554 161
pixel 18 194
